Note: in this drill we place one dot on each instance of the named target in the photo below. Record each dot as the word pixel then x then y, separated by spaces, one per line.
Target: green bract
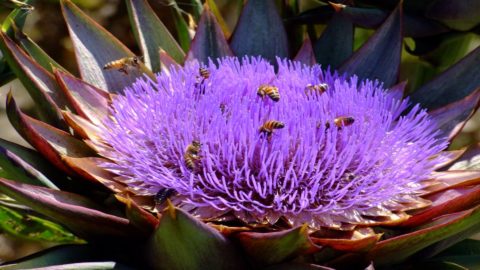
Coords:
pixel 60 193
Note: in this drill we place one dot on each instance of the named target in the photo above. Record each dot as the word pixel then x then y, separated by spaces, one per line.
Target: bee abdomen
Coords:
pixel 270 125
pixel 318 88
pixel 343 121
pixel 205 73
pixel 112 64
pixel 190 161
pixel 191 155
pixel 270 91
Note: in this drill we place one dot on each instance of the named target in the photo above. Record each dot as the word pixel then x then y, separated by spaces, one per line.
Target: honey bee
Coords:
pixel 269 90
pixel 191 155
pixel 270 125
pixel 163 194
pixel 316 88
pixel 204 73
pixel 343 121
pixel 123 64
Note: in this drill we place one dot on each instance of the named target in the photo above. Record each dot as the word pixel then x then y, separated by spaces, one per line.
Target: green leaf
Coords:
pixel 18 17
pixel 33 228
pixel 183 242
pixel 35 160
pixel 463 248
pixel 151 34
pixel 336 43
pixel 267 248
pixel 39 83
pixel 454 84
pixel 260 31
pixel 451 118
pixel 95 47
pixel 450 49
pixel 81 215
pixel 37 53
pixel 460 15
pixel 183 30
pixel 397 249
pixel 209 41
pixel 51 142
pixel 379 58
pixel 14 168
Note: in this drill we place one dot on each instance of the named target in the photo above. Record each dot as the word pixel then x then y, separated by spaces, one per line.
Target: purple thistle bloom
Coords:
pixel 313 170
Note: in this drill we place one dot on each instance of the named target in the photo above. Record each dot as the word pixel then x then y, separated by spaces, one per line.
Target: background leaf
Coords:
pixel 260 31
pixel 151 34
pixel 336 43
pixel 379 57
pixel 209 41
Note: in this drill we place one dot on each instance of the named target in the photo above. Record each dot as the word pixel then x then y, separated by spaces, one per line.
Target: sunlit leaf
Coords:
pixel 151 34
pixel 183 242
pixel 95 47
pixel 34 228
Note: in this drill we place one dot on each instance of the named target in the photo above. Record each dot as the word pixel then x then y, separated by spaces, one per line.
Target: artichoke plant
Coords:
pixel 232 155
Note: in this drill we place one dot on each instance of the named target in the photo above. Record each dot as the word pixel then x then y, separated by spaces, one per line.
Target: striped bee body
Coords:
pixel 123 64
pixel 270 125
pixel 270 91
pixel 191 155
pixel 343 121
pixel 204 73
pixel 316 88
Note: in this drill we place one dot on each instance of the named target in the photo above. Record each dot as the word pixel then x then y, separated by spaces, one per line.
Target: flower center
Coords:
pixel 301 143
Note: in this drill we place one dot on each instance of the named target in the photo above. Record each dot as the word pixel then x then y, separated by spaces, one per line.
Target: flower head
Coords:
pixel 342 150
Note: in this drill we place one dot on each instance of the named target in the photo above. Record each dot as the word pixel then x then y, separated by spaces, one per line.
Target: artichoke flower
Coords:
pixel 232 156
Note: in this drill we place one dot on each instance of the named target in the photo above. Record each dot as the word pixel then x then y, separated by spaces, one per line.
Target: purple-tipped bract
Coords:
pixel 316 169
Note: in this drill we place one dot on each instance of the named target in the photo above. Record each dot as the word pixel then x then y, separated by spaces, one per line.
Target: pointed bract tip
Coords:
pixel 337 7
pixel 206 7
pixel 303 229
pixel 10 96
pixel 171 209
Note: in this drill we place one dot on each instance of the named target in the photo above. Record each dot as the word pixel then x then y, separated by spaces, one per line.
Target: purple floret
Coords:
pixel 309 171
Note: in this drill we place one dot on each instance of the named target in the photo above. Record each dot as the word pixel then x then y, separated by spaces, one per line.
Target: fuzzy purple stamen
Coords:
pixel 310 170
